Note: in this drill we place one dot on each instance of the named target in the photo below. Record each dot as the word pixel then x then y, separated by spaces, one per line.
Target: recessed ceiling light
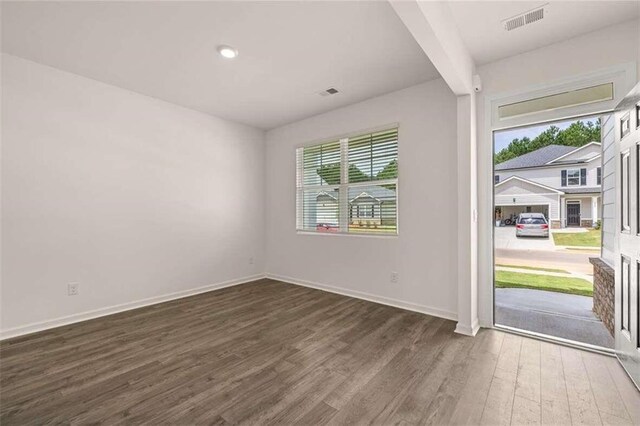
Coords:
pixel 227 51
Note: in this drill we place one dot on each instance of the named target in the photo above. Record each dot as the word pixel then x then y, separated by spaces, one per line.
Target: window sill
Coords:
pixel 344 234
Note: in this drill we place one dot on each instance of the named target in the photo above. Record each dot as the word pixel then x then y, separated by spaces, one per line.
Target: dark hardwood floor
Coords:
pixel 274 353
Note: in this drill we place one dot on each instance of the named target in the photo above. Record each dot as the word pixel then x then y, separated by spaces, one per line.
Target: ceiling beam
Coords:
pixel 433 27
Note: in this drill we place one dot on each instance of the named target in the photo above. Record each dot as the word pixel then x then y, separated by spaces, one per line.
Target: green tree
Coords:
pixel 577 134
pixel 330 173
pixel 390 171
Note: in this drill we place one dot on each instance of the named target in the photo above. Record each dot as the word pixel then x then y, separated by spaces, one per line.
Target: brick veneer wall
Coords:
pixel 604 293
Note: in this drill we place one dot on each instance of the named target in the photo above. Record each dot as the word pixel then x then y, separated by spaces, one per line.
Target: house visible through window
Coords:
pixel 599 176
pixel 349 185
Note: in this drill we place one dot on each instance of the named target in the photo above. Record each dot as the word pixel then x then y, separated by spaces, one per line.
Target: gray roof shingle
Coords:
pixel 375 191
pixel 537 158
pixel 581 190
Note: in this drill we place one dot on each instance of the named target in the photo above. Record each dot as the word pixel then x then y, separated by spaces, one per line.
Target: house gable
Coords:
pixel 365 198
pixel 519 186
pixel 324 197
pixel 585 153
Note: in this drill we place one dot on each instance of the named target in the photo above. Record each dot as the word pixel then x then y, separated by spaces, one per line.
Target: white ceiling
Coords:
pixel 289 51
pixel 480 24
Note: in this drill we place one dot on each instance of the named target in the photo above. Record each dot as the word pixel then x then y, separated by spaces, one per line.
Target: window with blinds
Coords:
pixel 349 185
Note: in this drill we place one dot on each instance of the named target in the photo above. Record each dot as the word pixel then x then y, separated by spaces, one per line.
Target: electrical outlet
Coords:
pixel 73 289
pixel 394 277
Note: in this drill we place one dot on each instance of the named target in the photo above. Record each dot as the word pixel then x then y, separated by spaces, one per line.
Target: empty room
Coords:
pixel 320 212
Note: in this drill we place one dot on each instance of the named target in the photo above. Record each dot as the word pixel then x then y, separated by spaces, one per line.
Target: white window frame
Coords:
pixel 573 170
pixel 343 206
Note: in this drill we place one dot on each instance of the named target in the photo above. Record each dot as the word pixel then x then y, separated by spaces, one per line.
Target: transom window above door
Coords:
pixel 349 185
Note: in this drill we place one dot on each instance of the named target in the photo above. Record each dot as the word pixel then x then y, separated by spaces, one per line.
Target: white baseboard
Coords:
pixel 468 330
pixel 428 310
pixel 84 316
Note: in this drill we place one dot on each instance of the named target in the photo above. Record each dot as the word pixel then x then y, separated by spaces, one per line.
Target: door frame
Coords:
pixel 623 76
pixel 565 202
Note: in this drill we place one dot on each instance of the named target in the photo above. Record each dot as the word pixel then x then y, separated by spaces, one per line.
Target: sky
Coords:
pixel 504 137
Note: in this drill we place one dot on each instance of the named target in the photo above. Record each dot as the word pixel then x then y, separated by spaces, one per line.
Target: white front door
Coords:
pixel 627 320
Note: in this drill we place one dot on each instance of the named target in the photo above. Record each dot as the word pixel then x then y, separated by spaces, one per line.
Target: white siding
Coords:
pixel 608 189
pixel 551 175
pixel 517 186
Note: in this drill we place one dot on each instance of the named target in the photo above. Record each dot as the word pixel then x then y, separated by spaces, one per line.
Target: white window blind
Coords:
pixel 349 185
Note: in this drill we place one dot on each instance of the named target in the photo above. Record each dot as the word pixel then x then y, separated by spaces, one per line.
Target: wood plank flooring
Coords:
pixel 274 353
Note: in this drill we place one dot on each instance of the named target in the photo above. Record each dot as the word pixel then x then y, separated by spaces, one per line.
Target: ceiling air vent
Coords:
pixel 329 91
pixel 524 18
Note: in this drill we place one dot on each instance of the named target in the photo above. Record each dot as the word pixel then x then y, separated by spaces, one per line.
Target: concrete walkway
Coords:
pixel 556 314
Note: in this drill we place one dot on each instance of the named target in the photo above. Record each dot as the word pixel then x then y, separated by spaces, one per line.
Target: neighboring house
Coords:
pixel 369 206
pixel 563 182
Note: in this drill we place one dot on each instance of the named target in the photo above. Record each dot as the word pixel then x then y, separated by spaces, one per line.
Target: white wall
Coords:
pixel 424 253
pixel 131 197
pixel 591 52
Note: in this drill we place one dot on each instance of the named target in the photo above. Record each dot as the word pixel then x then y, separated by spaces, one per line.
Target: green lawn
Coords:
pixel 570 285
pixel 533 268
pixel 591 238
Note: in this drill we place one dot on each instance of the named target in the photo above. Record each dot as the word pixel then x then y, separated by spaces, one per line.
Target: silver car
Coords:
pixel 532 225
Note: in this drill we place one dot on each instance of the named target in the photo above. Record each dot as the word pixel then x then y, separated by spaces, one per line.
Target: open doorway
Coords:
pixel 548 215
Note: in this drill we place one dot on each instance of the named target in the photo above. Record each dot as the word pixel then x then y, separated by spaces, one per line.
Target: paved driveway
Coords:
pixel 505 238
pixel 538 252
